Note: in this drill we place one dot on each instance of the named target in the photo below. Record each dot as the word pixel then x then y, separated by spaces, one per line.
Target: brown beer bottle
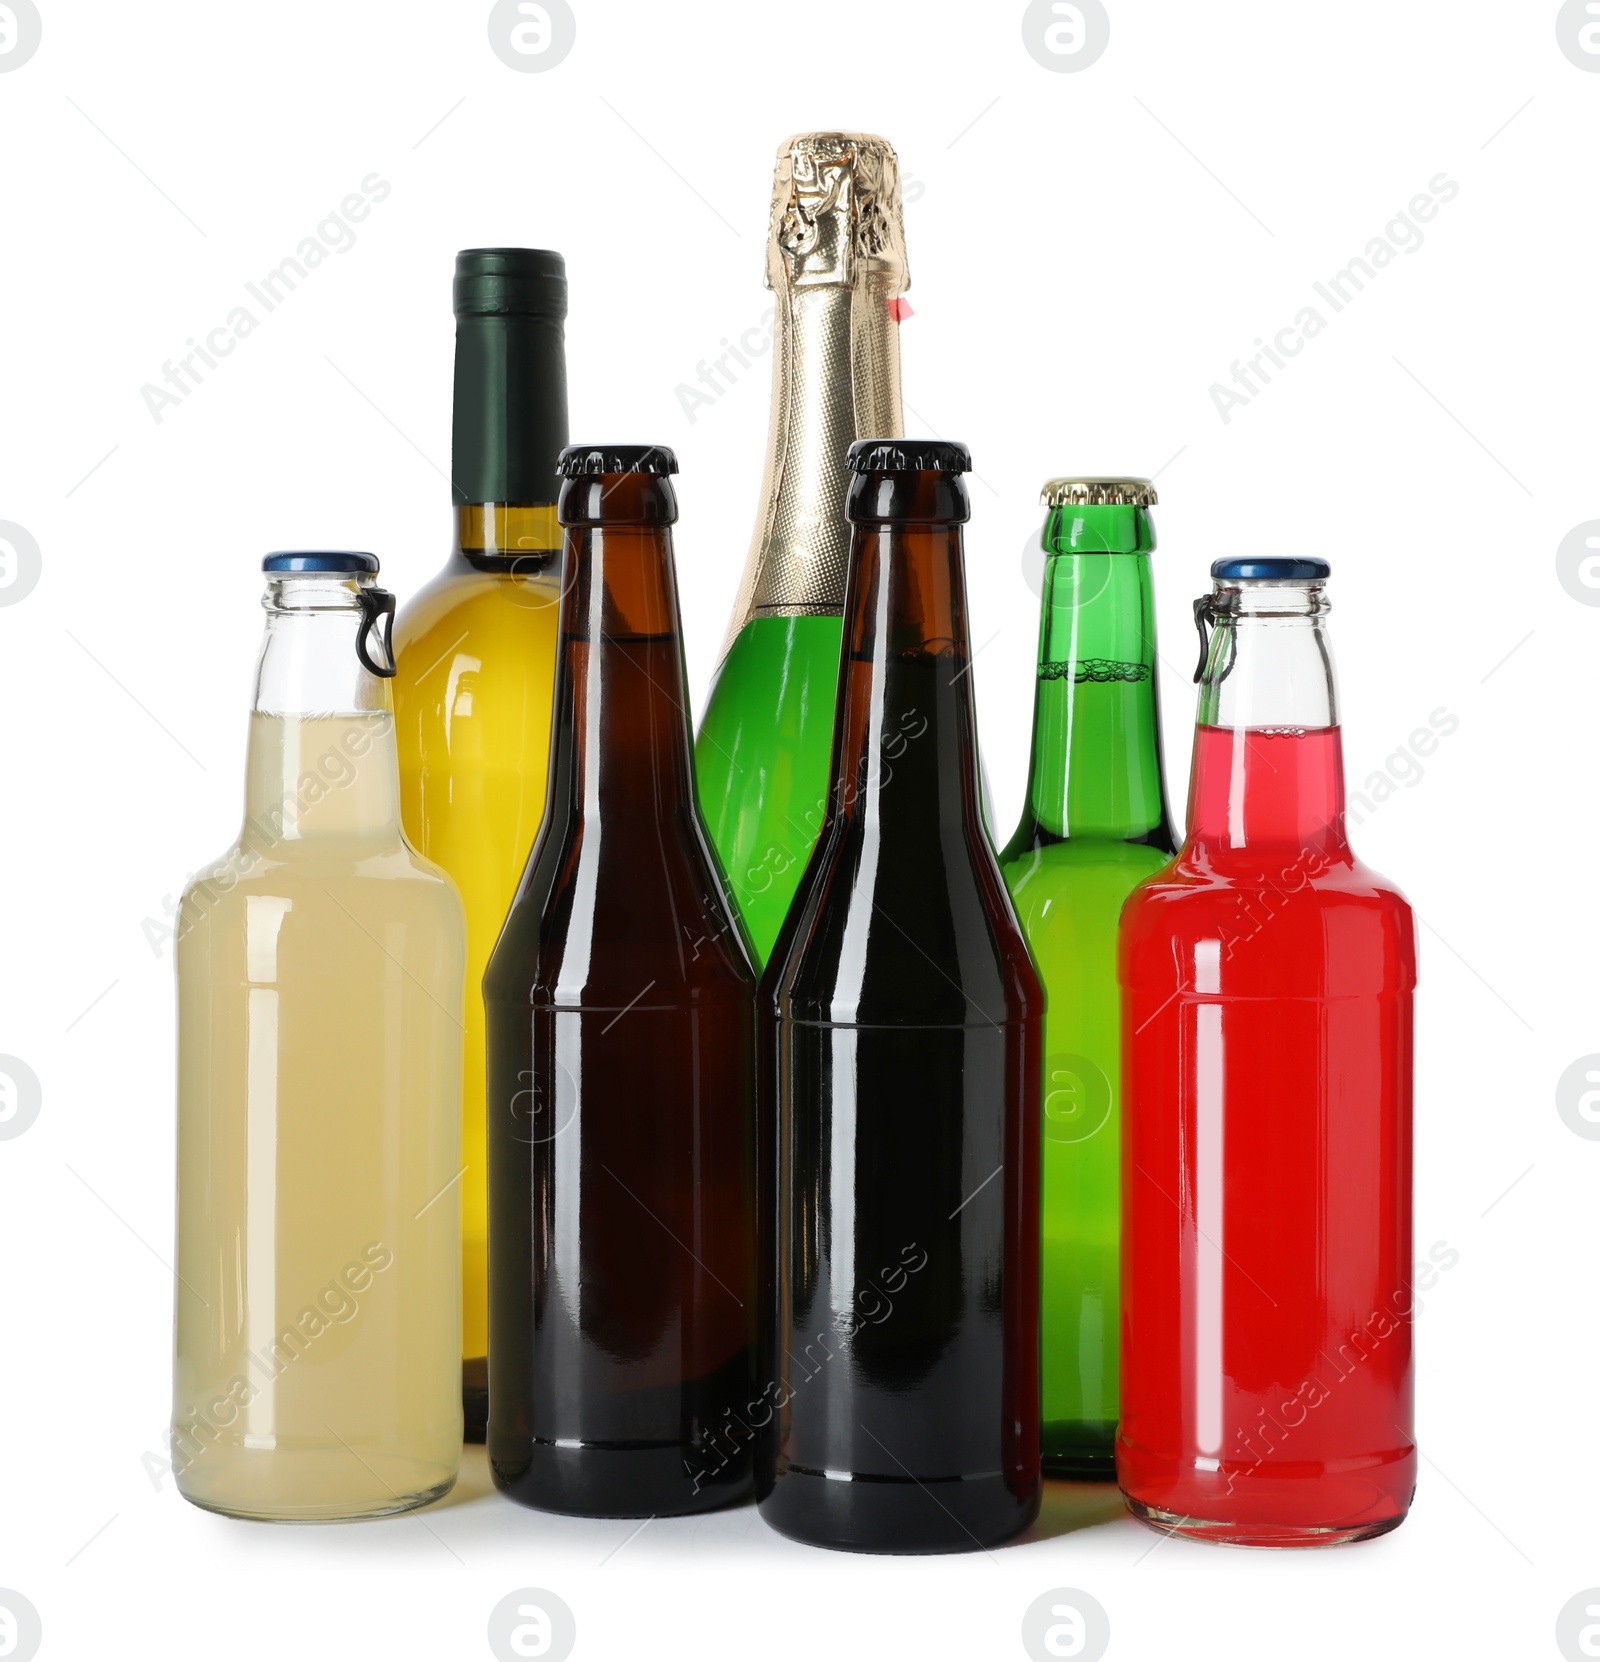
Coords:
pixel 620 1004
pixel 902 1022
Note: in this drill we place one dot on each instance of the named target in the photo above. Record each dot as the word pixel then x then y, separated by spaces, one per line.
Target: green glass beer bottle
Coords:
pixel 1095 823
pixel 836 265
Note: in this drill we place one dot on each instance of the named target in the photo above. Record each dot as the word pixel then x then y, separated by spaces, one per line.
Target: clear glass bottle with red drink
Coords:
pixel 1267 981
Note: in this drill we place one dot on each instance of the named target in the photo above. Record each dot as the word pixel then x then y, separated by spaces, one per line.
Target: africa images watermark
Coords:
pixel 1362 1342
pixel 334 234
pixel 21 1097
pixel 1401 767
pixel 718 374
pixel 736 1435
pixel 336 770
pixel 872 774
pixel 1402 235
pixel 335 1304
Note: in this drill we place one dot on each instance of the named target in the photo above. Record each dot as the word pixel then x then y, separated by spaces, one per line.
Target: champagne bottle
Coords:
pixel 901 1017
pixel 1095 823
pixel 621 1008
pixel 477 652
pixel 835 264
pixel 319 1077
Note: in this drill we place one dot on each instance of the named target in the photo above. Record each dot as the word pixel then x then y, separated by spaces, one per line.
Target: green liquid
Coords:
pixel 762 758
pixel 1095 825
pixel 1068 898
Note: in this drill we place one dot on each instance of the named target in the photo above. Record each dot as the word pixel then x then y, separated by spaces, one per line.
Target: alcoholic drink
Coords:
pixel 319 1055
pixel 477 656
pixel 1267 982
pixel 620 998
pixel 1095 823
pixel 836 265
pixel 903 1018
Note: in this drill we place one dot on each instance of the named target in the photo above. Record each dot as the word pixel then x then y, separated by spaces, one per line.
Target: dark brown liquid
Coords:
pixel 902 1021
pixel 622 1273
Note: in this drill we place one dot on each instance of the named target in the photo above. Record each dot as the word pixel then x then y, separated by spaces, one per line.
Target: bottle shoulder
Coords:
pixel 252 905
pixel 600 920
pixel 1285 924
pixel 1068 893
pixel 447 589
pixel 1327 879
pixel 875 942
pixel 777 684
pixel 463 598
pixel 1065 864
pixel 477 671
pixel 251 868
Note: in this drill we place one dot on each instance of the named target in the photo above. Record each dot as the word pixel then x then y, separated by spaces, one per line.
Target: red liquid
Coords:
pixel 1266 1327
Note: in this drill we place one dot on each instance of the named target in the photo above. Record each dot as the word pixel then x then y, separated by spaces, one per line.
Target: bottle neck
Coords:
pixel 905 741
pixel 1095 769
pixel 509 425
pixel 521 540
pixel 621 743
pixel 322 759
pixel 835 378
pixel 1268 760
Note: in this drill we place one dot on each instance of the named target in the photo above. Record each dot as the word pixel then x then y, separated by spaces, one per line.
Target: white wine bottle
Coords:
pixel 476 650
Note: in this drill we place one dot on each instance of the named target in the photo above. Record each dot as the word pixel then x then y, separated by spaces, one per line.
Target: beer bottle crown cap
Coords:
pixel 1098 493
pixel 579 461
pixel 908 456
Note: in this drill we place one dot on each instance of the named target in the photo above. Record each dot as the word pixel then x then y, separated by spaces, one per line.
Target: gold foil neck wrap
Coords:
pixel 836 215
pixel 1098 493
pixel 835 262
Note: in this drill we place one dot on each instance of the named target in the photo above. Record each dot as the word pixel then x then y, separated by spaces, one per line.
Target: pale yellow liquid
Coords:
pixel 320 984
pixel 477 656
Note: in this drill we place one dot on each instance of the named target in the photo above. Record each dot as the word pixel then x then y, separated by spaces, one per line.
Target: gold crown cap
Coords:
pixel 1098 493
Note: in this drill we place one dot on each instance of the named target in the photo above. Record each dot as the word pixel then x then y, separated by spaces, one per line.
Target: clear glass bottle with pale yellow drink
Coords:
pixel 320 985
pixel 477 656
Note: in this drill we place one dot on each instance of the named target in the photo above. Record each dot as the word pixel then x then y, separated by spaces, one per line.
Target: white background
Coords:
pixel 1090 252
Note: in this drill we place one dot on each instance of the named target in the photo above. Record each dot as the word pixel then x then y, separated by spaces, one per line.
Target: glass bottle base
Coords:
pixel 1082 1450
pixel 612 1480
pixel 474 1399
pixel 258 1504
pixel 1315 1500
pixel 897 1515
pixel 1257 1535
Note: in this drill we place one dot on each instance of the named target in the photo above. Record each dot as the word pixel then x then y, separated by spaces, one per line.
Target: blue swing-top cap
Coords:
pixel 342 561
pixel 1268 571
